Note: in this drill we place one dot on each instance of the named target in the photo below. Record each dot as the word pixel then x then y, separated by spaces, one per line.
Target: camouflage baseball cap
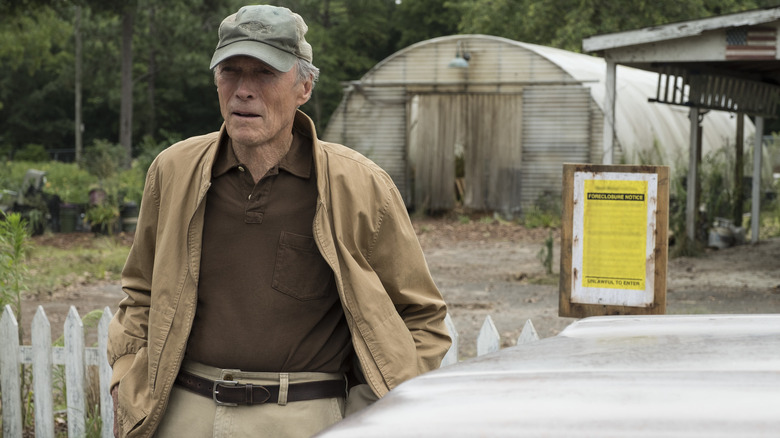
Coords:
pixel 272 34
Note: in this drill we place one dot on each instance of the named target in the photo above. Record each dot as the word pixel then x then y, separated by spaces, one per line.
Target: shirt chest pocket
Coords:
pixel 300 271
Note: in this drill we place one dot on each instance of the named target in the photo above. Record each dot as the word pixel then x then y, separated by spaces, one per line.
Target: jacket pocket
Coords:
pixel 135 396
pixel 393 349
pixel 300 271
pixel 159 327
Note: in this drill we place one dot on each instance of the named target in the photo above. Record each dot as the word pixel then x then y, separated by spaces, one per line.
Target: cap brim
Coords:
pixel 278 59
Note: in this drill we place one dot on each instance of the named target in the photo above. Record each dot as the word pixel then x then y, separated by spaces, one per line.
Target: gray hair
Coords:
pixel 307 70
pixel 304 70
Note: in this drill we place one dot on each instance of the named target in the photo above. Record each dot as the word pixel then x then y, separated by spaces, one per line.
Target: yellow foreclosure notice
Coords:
pixel 614 234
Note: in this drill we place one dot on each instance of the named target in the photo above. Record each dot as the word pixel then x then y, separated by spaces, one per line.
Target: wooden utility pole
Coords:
pixel 739 171
pixel 78 141
pixel 126 104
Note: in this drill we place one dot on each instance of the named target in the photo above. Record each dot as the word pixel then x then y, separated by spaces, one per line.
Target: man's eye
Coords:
pixel 229 71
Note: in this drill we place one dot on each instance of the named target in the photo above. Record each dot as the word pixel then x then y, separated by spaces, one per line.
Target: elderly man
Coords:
pixel 275 283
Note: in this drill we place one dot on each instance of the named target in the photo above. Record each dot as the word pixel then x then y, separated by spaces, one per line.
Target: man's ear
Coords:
pixel 307 85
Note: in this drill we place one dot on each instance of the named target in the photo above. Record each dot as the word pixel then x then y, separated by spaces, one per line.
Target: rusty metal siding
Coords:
pixel 435 132
pixel 596 154
pixel 556 130
pixel 373 116
pixel 494 148
pixel 483 129
pixel 373 122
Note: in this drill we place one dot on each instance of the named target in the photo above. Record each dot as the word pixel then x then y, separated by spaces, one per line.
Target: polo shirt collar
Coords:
pixel 298 160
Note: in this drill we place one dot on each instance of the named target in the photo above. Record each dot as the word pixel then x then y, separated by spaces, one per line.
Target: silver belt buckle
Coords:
pixel 215 391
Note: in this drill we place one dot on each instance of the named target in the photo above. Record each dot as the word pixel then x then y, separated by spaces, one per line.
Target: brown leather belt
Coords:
pixel 232 393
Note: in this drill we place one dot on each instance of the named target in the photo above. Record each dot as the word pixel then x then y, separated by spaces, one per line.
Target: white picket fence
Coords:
pixel 488 340
pixel 41 355
pixel 76 357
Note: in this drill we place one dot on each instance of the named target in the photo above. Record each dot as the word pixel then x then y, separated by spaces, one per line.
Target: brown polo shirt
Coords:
pixel 267 300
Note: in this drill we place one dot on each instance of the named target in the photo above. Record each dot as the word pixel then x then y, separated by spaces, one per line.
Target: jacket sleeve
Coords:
pixel 397 258
pixel 128 330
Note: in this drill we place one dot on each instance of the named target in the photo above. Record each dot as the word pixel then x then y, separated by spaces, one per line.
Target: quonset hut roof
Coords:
pixel 511 118
pixel 641 123
pixel 644 130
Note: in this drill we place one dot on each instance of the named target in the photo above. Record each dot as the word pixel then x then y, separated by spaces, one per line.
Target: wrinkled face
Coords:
pixel 257 101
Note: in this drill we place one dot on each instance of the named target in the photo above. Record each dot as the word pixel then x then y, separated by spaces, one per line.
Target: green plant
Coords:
pixel 716 179
pixel 130 184
pixel 15 246
pixel 103 159
pixel 93 420
pixel 537 218
pixel 36 219
pixel 97 259
pixel 66 180
pixel 103 217
pixel 32 152
pixel 545 255
pixel 716 198
pixel 150 149
pixel 545 213
pixel 464 219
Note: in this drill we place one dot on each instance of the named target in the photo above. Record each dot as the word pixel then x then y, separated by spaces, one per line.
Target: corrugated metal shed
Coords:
pixel 509 121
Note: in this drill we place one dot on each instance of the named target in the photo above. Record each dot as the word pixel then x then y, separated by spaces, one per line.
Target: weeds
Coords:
pixel 716 198
pixel 537 218
pixel 56 268
pixel 14 248
pixel 93 420
pixel 545 254
pixel 26 268
pixel 545 213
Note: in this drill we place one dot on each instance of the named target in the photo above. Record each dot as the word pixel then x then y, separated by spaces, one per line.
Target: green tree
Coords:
pixel 172 90
pixel 419 20
pixel 175 94
pixel 348 37
pixel 33 52
pixel 564 23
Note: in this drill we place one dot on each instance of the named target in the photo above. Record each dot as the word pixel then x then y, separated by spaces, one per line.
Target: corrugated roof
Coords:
pixel 679 30
pixel 640 123
pixel 642 128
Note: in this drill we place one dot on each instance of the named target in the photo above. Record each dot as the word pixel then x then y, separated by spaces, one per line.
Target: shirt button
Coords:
pixel 241 168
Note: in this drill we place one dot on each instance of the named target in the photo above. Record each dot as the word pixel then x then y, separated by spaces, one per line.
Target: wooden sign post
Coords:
pixel 614 240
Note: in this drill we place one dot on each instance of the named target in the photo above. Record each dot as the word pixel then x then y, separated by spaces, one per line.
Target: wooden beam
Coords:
pixel 690 204
pixel 678 30
pixel 739 171
pixel 755 214
pixel 609 114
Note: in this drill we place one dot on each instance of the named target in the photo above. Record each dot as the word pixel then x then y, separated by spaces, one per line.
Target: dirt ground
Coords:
pixel 493 269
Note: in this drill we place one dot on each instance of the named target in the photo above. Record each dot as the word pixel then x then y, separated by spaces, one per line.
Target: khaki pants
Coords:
pixel 194 415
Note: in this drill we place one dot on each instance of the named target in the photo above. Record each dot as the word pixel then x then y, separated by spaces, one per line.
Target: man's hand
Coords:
pixel 115 397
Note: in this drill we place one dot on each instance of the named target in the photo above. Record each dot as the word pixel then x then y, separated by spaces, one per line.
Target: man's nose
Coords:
pixel 245 87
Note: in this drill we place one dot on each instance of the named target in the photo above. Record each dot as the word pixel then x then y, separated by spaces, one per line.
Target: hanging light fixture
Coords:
pixel 461 59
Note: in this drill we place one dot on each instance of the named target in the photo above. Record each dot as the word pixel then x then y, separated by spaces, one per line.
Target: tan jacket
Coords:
pixel 394 310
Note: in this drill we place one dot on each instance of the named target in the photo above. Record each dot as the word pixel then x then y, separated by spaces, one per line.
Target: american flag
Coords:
pixel 751 43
